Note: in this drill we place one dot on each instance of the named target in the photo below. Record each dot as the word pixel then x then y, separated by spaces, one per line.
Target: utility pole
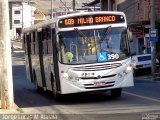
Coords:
pixel 74 5
pixel 65 8
pixel 6 80
pixel 51 9
pixel 109 2
pixel 153 43
pixel 64 4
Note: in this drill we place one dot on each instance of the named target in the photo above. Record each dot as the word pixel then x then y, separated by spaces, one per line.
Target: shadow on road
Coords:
pixel 25 93
pixel 27 96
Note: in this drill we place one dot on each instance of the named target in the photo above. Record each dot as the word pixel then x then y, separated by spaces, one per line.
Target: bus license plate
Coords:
pixel 99 83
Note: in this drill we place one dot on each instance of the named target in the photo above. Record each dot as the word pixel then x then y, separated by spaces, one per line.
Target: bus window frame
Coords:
pixel 33 42
pixel 28 37
pixel 55 58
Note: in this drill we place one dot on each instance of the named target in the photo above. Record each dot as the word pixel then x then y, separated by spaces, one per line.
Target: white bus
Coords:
pixel 80 52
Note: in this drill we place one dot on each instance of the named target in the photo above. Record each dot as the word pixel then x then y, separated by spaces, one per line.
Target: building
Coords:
pixel 138 18
pixel 139 22
pixel 38 16
pixel 21 16
pixel 109 5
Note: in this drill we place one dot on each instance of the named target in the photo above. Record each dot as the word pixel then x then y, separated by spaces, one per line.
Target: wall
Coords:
pixel 25 18
pixel 138 10
pixel 128 7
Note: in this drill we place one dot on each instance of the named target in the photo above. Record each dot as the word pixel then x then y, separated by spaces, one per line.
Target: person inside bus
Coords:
pixel 106 44
pixel 62 48
pixel 67 47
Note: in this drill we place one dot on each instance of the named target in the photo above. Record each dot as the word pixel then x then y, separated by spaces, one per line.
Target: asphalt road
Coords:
pixel 139 102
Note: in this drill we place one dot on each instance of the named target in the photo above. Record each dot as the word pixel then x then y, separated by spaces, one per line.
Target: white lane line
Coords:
pixel 143 97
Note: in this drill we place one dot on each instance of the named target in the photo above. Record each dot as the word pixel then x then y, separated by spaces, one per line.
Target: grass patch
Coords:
pixel 20 110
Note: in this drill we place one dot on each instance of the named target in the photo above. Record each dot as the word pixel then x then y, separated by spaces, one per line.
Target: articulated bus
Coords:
pixel 80 52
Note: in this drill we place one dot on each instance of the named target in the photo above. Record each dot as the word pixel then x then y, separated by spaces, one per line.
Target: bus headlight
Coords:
pixel 129 68
pixel 65 75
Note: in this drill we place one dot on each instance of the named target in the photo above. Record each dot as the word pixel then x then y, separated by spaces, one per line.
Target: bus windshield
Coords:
pixel 93 45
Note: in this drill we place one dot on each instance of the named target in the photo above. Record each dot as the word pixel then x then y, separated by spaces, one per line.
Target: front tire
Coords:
pixel 134 72
pixel 57 96
pixel 116 93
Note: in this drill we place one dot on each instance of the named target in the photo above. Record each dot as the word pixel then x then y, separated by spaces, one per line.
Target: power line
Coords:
pixel 131 5
pixel 64 4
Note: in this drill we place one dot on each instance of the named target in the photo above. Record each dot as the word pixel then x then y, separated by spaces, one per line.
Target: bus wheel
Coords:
pixel 57 96
pixel 39 89
pixel 134 73
pixel 115 93
pixel 54 88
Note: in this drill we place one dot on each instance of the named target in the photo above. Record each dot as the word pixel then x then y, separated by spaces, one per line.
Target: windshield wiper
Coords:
pixel 105 33
pixel 81 33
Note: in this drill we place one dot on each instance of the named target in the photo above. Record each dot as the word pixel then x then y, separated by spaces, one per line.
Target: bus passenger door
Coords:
pixel 55 61
pixel 47 57
pixel 41 77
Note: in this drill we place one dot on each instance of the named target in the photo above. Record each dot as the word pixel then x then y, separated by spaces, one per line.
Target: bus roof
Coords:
pixel 53 21
pixel 39 25
pixel 79 13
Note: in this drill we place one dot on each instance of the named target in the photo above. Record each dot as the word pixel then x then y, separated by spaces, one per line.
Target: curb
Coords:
pixel 14 110
pixel 147 78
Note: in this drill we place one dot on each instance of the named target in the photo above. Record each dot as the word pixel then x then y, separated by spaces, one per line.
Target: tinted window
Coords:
pixel 144 58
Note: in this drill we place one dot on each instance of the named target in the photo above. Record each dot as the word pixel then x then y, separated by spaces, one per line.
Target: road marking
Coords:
pixel 143 97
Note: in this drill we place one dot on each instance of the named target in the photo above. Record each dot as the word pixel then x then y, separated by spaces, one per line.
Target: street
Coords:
pixel 134 104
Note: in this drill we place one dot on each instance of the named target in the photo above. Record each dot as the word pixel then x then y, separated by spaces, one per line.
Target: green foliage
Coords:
pixel 20 110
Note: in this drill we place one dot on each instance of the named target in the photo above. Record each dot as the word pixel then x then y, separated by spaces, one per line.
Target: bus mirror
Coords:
pixel 132 54
pixel 57 46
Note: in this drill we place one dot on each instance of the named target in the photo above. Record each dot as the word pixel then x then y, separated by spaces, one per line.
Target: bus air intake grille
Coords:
pixel 97 67
pixel 105 85
pixel 108 76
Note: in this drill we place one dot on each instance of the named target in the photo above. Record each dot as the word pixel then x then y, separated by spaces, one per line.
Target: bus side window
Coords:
pixel 55 45
pixel 34 51
pixel 54 38
pixel 33 42
pixel 49 40
pixel 43 41
pixel 125 44
pixel 36 43
pixel 24 43
pixel 28 44
pixel 39 41
pixel 43 34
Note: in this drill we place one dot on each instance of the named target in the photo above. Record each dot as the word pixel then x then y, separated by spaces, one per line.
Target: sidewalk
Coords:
pixel 15 110
pixel 4 111
pixel 148 78
pixel 144 77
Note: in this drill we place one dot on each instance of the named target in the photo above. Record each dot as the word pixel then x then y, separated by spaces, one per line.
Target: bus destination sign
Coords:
pixel 87 20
